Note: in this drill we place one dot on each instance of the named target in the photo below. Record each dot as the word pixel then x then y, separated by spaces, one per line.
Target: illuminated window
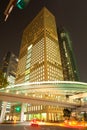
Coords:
pixel 27 77
pixel 27 71
pixel 41 107
pixel 30 47
pixel 38 107
pixel 28 66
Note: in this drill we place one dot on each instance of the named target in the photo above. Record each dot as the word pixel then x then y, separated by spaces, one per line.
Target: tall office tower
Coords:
pixel 9 67
pixel 39 58
pixel 67 56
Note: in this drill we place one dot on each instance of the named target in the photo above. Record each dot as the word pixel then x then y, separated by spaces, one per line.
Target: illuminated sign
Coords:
pixel 18 109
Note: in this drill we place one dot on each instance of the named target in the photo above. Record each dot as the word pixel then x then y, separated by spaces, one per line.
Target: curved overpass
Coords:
pixel 8 97
pixel 65 87
pixel 48 90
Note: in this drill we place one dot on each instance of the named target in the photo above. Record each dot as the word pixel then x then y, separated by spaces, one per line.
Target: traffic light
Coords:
pixel 21 4
pixel 18 109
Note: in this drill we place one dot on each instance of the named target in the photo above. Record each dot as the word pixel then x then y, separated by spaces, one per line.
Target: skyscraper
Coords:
pixel 9 67
pixel 39 58
pixel 70 71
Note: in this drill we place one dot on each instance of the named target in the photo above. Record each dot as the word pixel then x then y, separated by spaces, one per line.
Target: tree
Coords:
pixel 85 116
pixel 67 113
pixel 3 80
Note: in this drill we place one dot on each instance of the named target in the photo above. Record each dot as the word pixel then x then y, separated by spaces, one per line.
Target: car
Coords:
pixel 34 122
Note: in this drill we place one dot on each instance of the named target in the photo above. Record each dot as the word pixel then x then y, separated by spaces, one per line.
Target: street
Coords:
pixel 27 127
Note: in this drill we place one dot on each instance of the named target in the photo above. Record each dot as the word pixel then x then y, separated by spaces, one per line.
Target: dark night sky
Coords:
pixel 70 13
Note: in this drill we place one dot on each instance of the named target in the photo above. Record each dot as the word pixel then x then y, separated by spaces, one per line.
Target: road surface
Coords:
pixel 27 127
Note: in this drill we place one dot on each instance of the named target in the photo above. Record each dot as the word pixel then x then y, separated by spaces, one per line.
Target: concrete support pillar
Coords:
pixel 3 111
pixel 22 112
pixel 47 116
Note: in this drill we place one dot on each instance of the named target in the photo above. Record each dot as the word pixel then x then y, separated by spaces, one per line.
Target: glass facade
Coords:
pixel 70 71
pixel 9 67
